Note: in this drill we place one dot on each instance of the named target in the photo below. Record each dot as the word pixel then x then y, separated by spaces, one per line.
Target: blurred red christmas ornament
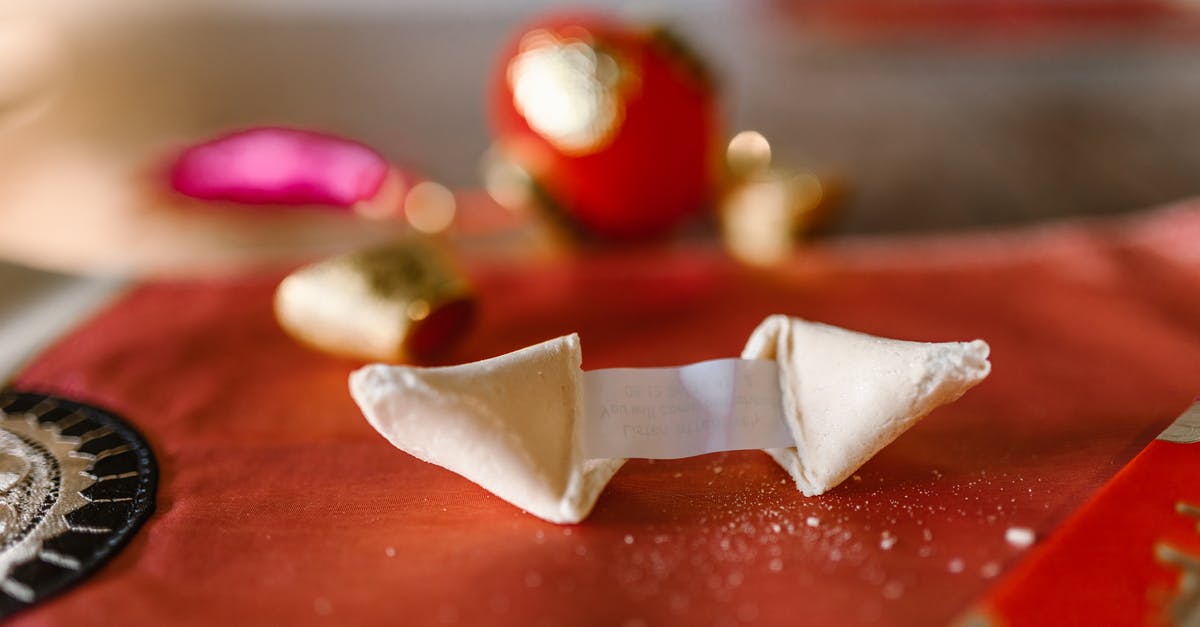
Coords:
pixel 616 125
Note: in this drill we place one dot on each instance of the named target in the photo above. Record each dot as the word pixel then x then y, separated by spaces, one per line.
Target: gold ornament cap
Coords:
pixel 405 301
pixel 766 217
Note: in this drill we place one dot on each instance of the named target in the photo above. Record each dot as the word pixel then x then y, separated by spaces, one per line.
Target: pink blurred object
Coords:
pixel 280 166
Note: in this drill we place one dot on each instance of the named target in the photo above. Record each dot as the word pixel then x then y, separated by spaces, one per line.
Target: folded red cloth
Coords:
pixel 1129 556
pixel 280 505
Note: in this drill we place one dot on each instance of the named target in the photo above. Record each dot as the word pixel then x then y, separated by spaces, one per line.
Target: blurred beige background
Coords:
pixel 932 128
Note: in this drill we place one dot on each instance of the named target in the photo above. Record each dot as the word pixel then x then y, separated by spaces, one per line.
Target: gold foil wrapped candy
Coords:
pixel 400 302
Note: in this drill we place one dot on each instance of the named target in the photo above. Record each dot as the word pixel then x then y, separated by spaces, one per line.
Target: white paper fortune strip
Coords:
pixel 668 413
pixel 534 429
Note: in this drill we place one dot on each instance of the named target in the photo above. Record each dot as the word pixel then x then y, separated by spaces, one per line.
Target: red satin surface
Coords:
pixel 280 505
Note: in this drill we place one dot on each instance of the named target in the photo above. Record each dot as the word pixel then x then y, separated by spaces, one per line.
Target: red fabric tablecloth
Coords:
pixel 279 504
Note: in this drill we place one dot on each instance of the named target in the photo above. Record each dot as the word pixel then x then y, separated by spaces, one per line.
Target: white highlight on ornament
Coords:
pixel 566 90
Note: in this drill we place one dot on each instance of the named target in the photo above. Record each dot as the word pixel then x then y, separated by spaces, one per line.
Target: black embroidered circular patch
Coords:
pixel 76 483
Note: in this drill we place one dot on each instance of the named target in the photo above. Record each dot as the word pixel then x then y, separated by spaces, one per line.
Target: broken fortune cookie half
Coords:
pixel 536 430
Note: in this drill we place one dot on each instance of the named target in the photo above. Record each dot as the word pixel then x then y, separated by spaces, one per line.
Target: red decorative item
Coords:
pixel 616 124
